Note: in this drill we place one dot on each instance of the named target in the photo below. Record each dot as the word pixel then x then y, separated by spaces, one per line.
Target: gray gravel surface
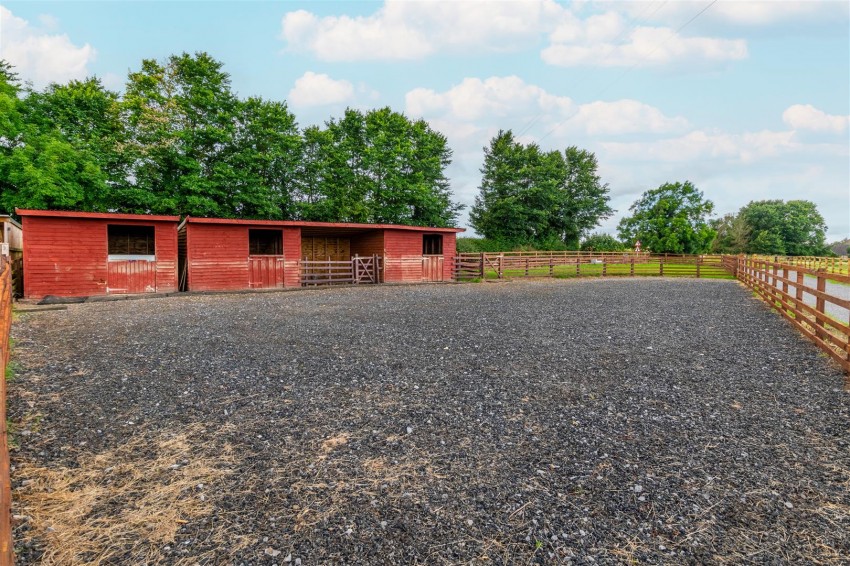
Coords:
pixel 550 422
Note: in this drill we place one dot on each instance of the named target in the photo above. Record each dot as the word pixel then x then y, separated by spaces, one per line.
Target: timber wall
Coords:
pixel 67 257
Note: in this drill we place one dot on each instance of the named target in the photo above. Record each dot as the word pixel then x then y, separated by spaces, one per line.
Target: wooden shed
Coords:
pixel 77 254
pixel 220 254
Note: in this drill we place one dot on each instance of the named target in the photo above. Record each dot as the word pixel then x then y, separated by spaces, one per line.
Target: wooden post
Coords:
pixel 551 266
pixel 356 269
pixel 798 294
pixel 820 305
pixel 501 256
pixel 775 273
pixel 526 265
pixel 481 268
pixel 578 265
pixel 699 261
pixel 661 265
pixel 632 266
pixel 604 266
pixel 785 278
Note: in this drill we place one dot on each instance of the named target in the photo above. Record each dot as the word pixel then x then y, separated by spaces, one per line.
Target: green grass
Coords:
pixel 650 268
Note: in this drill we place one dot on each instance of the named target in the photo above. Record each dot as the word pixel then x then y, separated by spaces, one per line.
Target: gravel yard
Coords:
pixel 650 420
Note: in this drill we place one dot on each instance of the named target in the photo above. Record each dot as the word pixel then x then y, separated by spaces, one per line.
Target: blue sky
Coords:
pixel 748 100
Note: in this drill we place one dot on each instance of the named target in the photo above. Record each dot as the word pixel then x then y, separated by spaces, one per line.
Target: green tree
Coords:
pixel 378 167
pixel 670 219
pixel 181 116
pixel 733 234
pixel 531 197
pixel 794 227
pixel 602 243
pixel 42 166
pixel 584 197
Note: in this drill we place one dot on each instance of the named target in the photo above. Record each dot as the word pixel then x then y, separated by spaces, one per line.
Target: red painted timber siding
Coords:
pixel 67 256
pixel 403 256
pixel 217 256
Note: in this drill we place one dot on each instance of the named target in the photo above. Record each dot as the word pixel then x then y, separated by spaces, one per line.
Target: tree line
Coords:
pixel 180 141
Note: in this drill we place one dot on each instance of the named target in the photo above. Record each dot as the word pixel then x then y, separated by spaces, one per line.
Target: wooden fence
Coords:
pixel 840 265
pixel 578 264
pixel 358 270
pixel 6 549
pixel 817 302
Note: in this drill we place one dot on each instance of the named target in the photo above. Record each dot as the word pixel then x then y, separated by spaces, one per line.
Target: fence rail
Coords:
pixel 815 301
pixel 6 549
pixel 358 270
pixel 577 264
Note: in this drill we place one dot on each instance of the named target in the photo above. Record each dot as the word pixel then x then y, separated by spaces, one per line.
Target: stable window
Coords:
pixel 432 244
pixel 265 242
pixel 131 242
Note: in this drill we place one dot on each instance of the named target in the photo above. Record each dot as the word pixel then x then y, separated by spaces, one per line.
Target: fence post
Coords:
pixel 820 305
pixel 798 294
pixel 578 266
pixel 481 267
pixel 661 265
pixel 356 269
pixel 376 268
pixel 785 278
pixel 551 266
pixel 526 265
pixel 699 261
pixel 632 266
pixel 604 266
pixel 501 257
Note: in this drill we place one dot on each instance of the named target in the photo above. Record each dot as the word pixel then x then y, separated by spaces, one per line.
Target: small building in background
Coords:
pixel 220 254
pixel 12 246
pixel 79 254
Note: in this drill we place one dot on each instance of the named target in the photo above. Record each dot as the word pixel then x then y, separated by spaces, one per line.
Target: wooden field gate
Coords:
pixel 359 270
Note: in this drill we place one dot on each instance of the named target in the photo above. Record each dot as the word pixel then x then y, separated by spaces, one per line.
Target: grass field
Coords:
pixel 651 268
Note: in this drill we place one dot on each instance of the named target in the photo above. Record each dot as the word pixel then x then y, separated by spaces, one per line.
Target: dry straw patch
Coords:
pixel 125 504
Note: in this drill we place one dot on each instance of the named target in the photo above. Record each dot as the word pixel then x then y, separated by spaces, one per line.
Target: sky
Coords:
pixel 747 100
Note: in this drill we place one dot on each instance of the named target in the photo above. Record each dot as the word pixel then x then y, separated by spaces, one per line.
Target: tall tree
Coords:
pixel 42 166
pixel 376 167
pixel 531 197
pixel 733 234
pixel 794 227
pixel 670 219
pixel 584 199
pixel 181 116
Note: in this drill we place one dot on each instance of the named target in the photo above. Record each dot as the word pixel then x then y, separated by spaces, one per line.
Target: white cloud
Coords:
pixel 40 56
pixel 312 89
pixel 807 117
pixel 402 30
pixel 752 13
pixel 699 145
pixel 519 104
pixel 606 41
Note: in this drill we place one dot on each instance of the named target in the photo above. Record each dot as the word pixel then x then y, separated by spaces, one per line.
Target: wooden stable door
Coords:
pixel 432 268
pixel 131 276
pixel 265 272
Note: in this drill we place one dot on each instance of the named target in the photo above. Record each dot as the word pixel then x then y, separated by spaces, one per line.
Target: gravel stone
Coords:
pixel 539 408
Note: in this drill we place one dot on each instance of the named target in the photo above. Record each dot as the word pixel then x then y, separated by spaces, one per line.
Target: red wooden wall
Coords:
pixel 66 256
pixel 217 255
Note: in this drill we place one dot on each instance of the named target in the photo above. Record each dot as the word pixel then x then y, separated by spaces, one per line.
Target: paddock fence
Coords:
pixel 815 300
pixel 6 291
pixel 585 264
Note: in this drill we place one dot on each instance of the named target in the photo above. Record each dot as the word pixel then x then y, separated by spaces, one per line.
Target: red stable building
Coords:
pixel 220 254
pixel 78 254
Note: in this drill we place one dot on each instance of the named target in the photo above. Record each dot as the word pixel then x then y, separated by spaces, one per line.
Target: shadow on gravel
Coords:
pixel 531 422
